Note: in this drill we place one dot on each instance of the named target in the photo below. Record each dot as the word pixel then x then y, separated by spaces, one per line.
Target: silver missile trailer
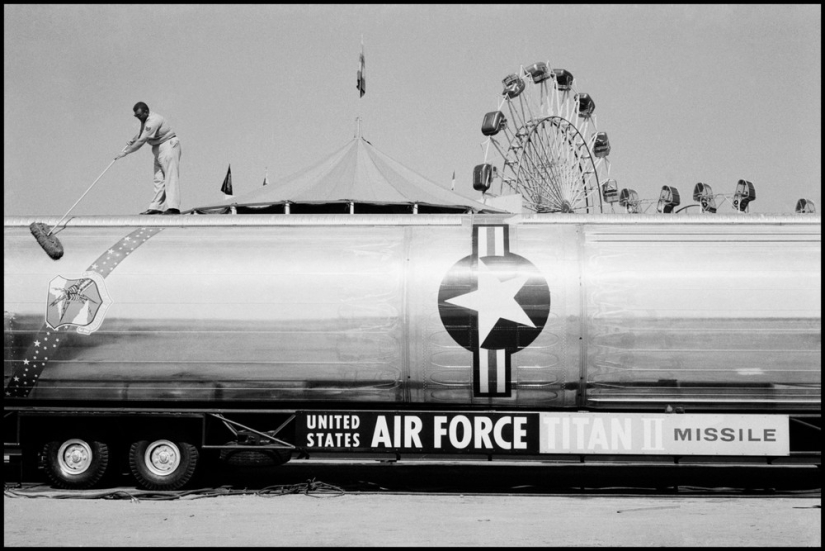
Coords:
pixel 256 338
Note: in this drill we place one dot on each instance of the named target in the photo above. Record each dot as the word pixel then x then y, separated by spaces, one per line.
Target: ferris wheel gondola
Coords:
pixel 805 206
pixel 742 196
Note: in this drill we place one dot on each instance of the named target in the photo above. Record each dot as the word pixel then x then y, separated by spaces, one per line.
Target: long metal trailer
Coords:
pixel 260 337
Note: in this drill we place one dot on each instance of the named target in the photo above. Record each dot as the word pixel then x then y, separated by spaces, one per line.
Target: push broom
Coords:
pixel 43 234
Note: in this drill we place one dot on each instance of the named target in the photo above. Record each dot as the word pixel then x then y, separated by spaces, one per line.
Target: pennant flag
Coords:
pixel 266 178
pixel 452 186
pixel 362 75
pixel 226 188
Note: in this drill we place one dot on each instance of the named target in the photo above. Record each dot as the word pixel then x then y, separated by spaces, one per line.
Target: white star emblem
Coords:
pixel 494 300
pixel 37 343
pixel 25 362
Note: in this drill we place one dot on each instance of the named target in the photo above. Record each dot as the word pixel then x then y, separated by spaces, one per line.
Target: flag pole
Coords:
pixel 361 84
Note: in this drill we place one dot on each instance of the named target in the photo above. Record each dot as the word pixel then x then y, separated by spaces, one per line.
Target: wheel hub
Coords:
pixel 162 457
pixel 74 457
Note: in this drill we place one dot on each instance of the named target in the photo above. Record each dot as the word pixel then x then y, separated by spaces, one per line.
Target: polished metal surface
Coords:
pixel 710 312
pixel 716 316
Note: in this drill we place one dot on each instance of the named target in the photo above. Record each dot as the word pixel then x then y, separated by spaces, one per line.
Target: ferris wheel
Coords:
pixel 543 143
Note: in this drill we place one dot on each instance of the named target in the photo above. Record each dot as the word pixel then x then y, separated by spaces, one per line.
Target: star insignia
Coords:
pixel 494 300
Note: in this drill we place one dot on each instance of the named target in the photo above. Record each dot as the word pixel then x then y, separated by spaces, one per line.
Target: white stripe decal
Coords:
pixel 482 241
pixel 483 374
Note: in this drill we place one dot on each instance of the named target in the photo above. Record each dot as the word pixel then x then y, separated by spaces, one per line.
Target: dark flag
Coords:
pixel 226 188
pixel 362 74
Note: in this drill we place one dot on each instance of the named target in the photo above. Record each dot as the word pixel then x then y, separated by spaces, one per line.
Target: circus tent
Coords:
pixel 357 178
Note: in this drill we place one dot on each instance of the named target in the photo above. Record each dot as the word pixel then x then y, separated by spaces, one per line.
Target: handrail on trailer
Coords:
pixel 229 422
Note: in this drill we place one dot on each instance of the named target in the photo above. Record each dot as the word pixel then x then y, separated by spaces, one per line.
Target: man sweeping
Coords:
pixel 155 130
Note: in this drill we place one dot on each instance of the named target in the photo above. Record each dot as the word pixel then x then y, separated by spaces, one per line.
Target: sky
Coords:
pixel 686 93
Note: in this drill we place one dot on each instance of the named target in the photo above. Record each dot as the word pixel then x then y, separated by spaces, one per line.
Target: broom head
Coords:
pixel 50 243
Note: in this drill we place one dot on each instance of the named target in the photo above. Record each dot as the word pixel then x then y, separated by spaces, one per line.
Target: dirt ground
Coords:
pixel 435 505
pixel 414 520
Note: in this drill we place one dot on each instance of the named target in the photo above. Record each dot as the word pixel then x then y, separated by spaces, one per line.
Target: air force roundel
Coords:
pixel 493 303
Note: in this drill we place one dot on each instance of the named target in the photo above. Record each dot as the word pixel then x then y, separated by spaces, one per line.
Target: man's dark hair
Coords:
pixel 142 106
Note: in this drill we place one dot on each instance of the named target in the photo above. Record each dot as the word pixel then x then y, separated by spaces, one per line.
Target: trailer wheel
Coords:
pixel 163 464
pixel 75 464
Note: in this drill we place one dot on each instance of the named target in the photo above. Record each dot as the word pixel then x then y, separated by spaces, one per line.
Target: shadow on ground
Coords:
pixel 500 478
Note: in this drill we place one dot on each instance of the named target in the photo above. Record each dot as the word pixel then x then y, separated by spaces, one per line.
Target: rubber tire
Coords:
pixel 254 458
pixel 80 481
pixel 176 479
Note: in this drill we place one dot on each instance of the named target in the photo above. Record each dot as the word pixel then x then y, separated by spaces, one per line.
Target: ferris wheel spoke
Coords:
pixel 583 130
pixel 543 189
pixel 546 161
pixel 498 148
pixel 519 123
pixel 555 164
pixel 589 188
pixel 571 105
pixel 550 191
pixel 528 116
pixel 564 106
pixel 564 153
pixel 535 172
pixel 544 102
pixel 555 152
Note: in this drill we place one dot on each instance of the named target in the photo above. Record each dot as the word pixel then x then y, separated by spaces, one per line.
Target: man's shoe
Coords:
pixel 152 211
pixel 171 211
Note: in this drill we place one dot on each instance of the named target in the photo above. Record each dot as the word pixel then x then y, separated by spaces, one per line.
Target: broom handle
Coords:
pixel 82 196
